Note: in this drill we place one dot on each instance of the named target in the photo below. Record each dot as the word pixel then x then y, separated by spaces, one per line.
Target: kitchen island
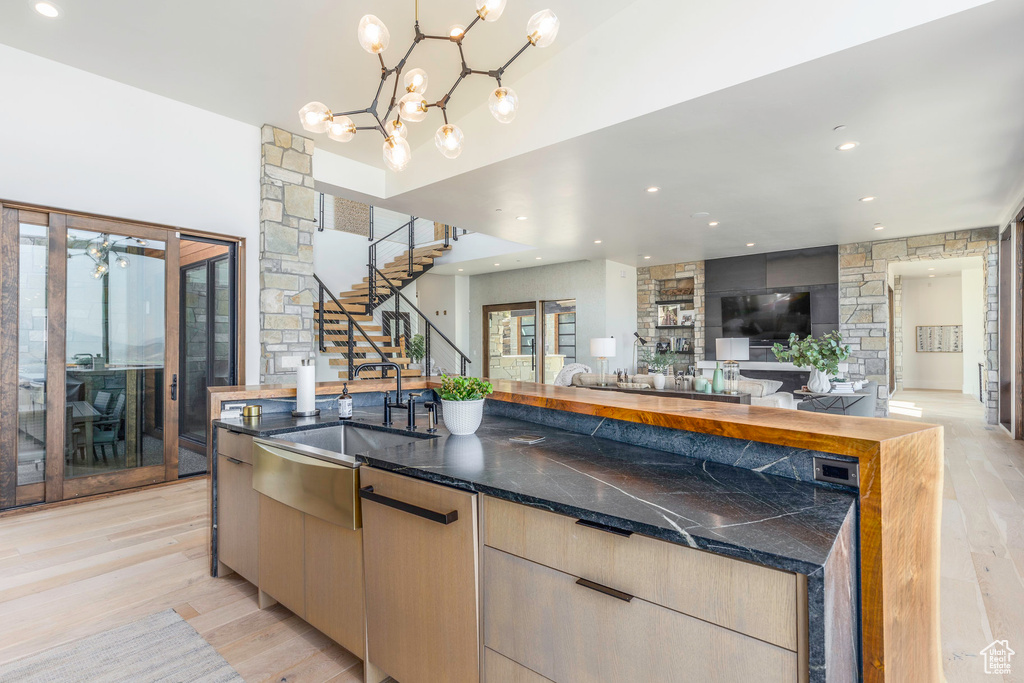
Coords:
pixel 682 472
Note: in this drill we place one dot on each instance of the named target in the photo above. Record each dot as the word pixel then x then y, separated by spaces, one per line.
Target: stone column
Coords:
pixel 287 222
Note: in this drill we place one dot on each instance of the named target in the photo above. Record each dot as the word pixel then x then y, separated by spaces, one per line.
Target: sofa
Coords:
pixel 763 392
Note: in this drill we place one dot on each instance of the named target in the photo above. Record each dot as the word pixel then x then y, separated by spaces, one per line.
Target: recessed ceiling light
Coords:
pixel 931 269
pixel 538 258
pixel 520 218
pixel 713 223
pixel 867 199
pixel 597 241
pixel 841 126
pixel 931 276
pixel 879 227
pixel 750 244
pixel 460 270
pixel 497 264
pixel 498 210
pixel 646 257
pixel 652 189
pixel 47 9
pixel 847 146
pixel 700 214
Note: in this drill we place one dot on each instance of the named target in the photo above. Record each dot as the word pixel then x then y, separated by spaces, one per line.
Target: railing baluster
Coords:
pixel 323 345
pixel 426 351
pixel 371 222
pixel 351 352
pixel 412 241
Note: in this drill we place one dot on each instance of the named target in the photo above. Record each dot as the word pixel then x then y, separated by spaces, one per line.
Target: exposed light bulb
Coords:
pixel 456 31
pixel 97 274
pixel 341 129
pixel 490 10
pixel 122 262
pixel 448 140
pixel 503 103
pixel 542 28
pixel 396 127
pixel 373 34
pixel 101 268
pixel 141 243
pixel 397 153
pixel 315 117
pixel 94 251
pixel 416 81
pixel 412 107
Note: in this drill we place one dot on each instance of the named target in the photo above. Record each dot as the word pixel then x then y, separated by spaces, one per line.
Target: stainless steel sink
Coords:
pixel 315 471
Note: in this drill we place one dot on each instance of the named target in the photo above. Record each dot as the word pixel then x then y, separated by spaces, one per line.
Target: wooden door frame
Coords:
pixel 487 309
pixel 1017 374
pixel 892 338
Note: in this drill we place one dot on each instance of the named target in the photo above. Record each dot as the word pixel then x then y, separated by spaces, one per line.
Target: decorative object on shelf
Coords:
pixel 718 380
pixel 731 350
pixel 659 380
pixel 821 355
pixel 638 342
pixel 940 339
pixel 412 106
pixel 462 403
pixel 668 315
pixel 602 348
pixel 700 383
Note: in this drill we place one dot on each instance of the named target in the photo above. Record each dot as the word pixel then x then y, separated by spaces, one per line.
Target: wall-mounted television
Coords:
pixel 766 318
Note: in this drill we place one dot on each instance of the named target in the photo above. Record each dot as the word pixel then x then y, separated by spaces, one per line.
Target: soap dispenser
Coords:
pixel 345 404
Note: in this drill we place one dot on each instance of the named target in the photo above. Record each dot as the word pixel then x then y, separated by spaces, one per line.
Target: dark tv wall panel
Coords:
pixel 801 267
pixel 800 270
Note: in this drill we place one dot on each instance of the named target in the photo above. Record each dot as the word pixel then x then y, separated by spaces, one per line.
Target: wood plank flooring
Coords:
pixel 982 590
pixel 74 571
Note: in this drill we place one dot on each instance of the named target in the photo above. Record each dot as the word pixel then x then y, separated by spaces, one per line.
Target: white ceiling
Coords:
pixel 937 110
pixel 912 270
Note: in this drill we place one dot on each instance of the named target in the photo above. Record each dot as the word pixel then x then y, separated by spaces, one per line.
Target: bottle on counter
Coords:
pixel 345 404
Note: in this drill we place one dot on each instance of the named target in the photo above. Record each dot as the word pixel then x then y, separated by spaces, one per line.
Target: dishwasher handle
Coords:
pixel 367 493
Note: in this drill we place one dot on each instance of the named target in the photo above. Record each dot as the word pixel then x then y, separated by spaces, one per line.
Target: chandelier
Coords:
pixel 413 106
pixel 102 247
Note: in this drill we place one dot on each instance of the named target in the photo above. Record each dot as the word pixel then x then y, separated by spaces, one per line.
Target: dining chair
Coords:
pixel 107 429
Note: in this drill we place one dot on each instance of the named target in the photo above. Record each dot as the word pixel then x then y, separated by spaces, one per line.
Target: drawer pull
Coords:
pixel 604 527
pixel 625 597
pixel 234 460
pixel 366 493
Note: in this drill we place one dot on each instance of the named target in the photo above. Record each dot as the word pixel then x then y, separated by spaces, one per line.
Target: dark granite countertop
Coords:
pixel 771 520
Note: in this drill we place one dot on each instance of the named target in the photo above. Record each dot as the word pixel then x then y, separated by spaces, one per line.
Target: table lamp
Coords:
pixel 602 348
pixel 733 349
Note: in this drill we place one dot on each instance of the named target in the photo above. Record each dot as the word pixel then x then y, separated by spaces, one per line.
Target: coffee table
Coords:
pixel 823 403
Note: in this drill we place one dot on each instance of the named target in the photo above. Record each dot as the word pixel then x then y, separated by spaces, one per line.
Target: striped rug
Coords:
pixel 160 647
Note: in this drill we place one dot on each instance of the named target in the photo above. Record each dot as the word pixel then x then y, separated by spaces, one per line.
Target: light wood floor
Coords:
pixel 74 571
pixel 982 590
pixel 78 570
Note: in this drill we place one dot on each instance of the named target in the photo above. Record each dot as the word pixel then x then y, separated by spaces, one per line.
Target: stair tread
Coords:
pixel 377 375
pixel 367 361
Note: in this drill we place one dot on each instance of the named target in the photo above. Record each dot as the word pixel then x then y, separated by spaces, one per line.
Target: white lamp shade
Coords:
pixel 732 348
pixel 602 347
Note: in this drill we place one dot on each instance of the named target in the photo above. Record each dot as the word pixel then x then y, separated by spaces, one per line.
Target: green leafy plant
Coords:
pixel 417 348
pixel 824 353
pixel 659 362
pixel 463 388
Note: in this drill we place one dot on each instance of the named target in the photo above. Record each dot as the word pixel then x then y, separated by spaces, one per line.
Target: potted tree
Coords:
pixel 416 350
pixel 822 355
pixel 462 403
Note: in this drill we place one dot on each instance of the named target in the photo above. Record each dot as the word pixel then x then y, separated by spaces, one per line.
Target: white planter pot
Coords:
pixel 818 383
pixel 659 381
pixel 462 417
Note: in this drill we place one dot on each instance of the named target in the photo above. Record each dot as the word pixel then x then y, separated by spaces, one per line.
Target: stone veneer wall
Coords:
pixel 897 309
pixel 647 293
pixel 287 223
pixel 864 307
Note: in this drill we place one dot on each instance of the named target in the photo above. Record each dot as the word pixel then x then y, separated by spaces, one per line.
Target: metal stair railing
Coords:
pixel 379 254
pixel 353 324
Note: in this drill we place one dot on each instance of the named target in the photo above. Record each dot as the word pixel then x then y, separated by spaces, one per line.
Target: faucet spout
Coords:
pixel 384 367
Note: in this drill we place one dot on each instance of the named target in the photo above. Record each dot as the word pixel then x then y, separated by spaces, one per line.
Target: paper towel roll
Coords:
pixel 305 396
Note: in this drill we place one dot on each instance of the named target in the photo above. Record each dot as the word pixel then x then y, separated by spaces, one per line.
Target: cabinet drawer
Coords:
pixel 501 669
pixel 741 596
pixel 569 633
pixel 237 446
pixel 237 523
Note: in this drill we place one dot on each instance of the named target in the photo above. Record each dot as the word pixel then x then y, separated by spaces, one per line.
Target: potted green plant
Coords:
pixel 462 403
pixel 417 349
pixel 822 355
pixel 659 365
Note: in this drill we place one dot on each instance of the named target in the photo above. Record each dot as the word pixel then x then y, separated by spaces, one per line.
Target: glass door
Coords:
pixel 120 356
pixel 510 341
pixel 559 333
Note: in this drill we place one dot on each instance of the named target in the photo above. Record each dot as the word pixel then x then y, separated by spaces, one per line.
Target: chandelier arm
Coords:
pixel 471 25
pixel 462 55
pixel 515 57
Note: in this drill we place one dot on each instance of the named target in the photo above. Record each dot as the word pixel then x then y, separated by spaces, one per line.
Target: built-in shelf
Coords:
pixel 673 327
pixel 681 300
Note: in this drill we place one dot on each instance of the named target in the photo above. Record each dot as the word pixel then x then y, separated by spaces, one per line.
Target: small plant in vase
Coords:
pixel 462 403
pixel 660 365
pixel 417 349
pixel 822 355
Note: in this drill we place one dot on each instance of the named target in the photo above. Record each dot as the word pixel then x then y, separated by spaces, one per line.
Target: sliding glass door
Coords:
pixel 510 341
pixel 88 356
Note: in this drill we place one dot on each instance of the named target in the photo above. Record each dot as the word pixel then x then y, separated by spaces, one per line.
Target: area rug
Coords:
pixel 161 647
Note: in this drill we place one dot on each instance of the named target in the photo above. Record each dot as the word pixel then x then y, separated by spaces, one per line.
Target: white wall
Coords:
pixel 931 301
pixel 973 292
pixel 76 141
pixel 605 303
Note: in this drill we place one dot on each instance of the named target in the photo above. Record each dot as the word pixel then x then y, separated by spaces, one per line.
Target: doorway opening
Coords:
pixel 208 340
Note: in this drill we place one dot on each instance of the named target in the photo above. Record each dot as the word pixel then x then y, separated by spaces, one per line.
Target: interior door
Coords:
pixel 120 356
pixel 510 341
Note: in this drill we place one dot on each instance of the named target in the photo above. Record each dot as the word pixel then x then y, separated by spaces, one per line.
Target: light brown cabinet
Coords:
pixel 334 582
pixel 237 504
pixel 420 558
pixel 282 559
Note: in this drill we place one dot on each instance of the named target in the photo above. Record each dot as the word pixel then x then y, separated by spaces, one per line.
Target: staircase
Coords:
pixel 350 334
